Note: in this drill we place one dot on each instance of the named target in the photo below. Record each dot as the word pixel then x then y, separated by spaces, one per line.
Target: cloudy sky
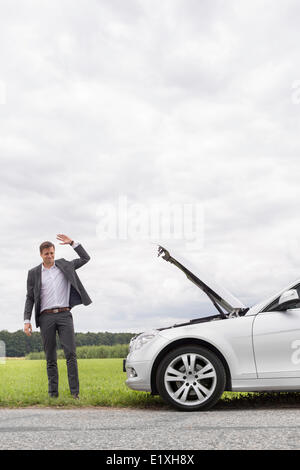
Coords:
pixel 114 110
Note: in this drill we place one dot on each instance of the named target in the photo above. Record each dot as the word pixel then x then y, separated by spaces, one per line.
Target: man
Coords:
pixel 54 288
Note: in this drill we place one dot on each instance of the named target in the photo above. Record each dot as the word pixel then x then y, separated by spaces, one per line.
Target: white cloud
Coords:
pixel 163 102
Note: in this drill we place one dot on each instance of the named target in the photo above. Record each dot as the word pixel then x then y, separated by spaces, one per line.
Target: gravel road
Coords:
pixel 107 429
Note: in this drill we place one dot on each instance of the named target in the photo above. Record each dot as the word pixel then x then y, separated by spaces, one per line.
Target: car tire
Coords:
pixel 191 378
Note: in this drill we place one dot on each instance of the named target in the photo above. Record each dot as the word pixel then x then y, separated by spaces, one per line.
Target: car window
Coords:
pixel 273 306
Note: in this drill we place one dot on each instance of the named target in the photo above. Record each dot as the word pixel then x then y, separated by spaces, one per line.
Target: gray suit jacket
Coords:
pixel 78 294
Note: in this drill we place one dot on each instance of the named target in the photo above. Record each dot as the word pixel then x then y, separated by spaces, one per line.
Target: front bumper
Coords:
pixel 138 375
pixel 139 362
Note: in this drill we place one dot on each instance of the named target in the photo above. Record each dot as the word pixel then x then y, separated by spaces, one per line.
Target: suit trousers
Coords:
pixel 61 322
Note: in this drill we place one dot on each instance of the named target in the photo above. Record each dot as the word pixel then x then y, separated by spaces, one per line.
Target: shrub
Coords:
pixel 88 352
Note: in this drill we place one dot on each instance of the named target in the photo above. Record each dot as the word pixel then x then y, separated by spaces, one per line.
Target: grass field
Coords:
pixel 102 383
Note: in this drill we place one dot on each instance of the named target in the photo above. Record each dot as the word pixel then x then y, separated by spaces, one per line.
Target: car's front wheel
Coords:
pixel 191 378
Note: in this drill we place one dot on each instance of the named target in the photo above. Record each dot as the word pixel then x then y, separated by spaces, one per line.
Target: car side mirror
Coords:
pixel 288 299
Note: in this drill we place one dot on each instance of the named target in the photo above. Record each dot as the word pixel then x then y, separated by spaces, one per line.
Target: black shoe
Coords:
pixel 75 396
pixel 53 395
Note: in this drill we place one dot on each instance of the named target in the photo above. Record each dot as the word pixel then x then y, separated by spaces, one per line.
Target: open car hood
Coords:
pixel 220 297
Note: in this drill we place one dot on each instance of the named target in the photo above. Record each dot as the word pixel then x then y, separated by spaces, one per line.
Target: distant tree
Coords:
pixel 17 344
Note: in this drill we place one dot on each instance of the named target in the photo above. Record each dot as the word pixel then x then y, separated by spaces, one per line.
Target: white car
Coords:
pixel 191 364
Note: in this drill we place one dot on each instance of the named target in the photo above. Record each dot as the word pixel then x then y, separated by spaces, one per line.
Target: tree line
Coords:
pixel 17 344
pixel 89 352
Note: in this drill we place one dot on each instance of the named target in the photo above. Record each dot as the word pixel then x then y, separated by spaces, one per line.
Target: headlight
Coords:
pixel 139 341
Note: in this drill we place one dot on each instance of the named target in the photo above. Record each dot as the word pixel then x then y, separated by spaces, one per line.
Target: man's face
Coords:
pixel 48 255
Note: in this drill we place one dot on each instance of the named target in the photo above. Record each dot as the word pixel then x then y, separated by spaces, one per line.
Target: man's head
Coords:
pixel 47 252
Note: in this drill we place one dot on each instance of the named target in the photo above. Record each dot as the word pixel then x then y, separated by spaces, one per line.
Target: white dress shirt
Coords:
pixel 55 288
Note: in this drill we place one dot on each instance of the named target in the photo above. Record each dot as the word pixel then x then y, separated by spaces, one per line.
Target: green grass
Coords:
pixel 102 383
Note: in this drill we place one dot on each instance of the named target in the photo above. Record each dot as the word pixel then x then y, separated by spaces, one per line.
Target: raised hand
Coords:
pixel 64 239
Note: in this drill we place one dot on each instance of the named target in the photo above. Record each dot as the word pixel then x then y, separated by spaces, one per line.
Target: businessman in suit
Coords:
pixel 54 287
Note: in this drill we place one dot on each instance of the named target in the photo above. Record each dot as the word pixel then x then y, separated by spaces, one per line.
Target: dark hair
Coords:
pixel 45 245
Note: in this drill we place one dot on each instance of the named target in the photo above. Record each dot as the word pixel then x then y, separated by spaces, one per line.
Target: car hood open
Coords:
pixel 220 297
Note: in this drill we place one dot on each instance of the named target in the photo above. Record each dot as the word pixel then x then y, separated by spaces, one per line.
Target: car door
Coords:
pixel 276 343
